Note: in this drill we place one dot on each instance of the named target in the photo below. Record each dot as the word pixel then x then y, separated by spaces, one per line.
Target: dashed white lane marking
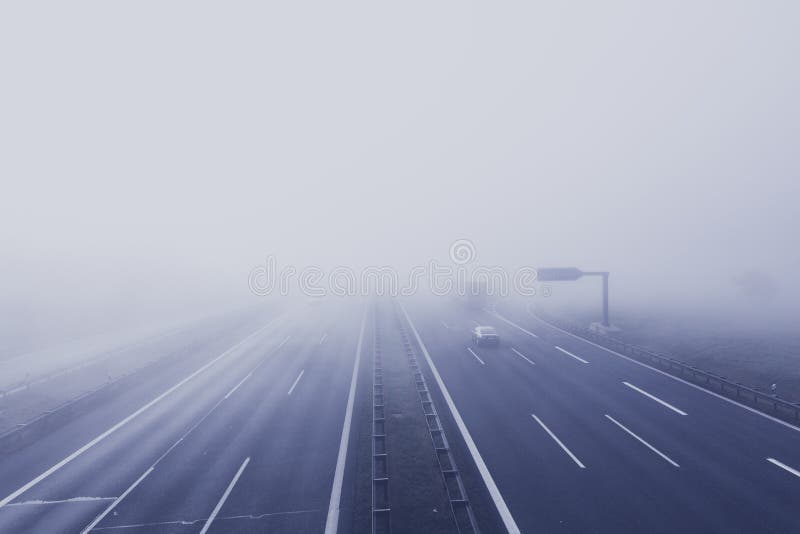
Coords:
pixel 224 497
pixel 125 421
pixel 671 377
pixel 782 465
pixel 560 444
pixel 191 429
pixel 114 504
pixel 62 501
pixel 642 441
pixel 296 380
pixel 237 385
pixel 494 491
pixel 444 325
pixel 653 397
pixel 476 356
pixel 322 339
pixel 332 520
pixel 568 353
pixel 515 325
pixel 476 323
pixel 518 353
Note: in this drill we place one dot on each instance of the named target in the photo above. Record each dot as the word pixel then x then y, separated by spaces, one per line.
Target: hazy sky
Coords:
pixel 175 144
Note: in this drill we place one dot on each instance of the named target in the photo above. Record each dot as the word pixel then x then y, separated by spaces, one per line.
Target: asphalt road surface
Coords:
pixel 259 430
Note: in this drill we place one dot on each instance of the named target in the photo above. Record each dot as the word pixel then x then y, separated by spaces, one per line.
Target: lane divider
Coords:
pixel 568 353
pixel 381 509
pixel 332 520
pixel 476 356
pixel 460 504
pixel 642 441
pixel 483 470
pixel 296 380
pixel 186 434
pixel 785 467
pixel 518 353
pixel 224 497
pixel 653 397
pixel 125 421
pixel 515 325
pixel 237 385
pixel 118 500
pixel 670 376
pixel 558 441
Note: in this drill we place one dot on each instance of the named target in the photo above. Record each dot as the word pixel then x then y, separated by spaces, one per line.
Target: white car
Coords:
pixel 485 335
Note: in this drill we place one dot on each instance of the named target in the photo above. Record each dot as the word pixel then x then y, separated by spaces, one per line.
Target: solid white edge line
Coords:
pixel 332 521
pixel 476 356
pixel 782 465
pixel 224 497
pixel 515 325
pixel 560 444
pixel 673 377
pixel 642 441
pixel 296 380
pixel 125 421
pixel 568 353
pixel 494 492
pixel 518 353
pixel 114 504
pixel 653 397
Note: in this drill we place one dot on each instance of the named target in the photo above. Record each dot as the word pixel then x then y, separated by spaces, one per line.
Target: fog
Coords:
pixel 154 153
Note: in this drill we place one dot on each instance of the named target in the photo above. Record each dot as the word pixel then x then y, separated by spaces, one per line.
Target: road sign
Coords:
pixel 570 274
pixel 558 274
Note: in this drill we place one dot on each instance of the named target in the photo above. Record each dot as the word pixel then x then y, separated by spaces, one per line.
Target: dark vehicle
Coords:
pixel 485 335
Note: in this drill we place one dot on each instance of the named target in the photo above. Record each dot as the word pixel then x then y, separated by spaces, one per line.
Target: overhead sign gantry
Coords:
pixel 571 274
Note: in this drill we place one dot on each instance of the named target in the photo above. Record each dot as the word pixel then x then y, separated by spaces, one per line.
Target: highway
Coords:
pixel 579 439
pixel 268 407
pixel 266 427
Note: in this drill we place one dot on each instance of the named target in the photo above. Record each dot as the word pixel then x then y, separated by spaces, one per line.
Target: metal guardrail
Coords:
pixel 460 505
pixel 764 402
pixel 25 433
pixel 27 383
pixel 381 512
pixel 103 355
